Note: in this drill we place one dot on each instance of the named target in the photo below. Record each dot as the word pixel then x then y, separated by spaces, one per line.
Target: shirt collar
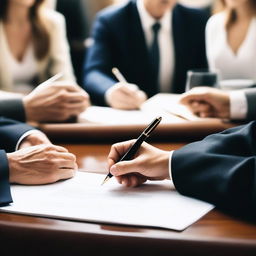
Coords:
pixel 147 20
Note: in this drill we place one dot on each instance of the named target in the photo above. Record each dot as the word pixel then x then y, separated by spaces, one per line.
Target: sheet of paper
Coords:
pixel 155 204
pixel 170 103
pixel 110 116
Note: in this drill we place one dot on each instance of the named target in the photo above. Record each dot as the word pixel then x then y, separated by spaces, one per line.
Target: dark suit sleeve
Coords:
pixel 12 108
pixel 5 193
pixel 221 169
pixel 251 103
pixel 98 65
pixel 10 133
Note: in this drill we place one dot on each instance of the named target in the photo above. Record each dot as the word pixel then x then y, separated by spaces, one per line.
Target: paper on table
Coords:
pixel 170 103
pixel 155 204
pixel 110 116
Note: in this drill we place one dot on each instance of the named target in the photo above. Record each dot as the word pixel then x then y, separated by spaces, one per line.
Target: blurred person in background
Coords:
pixel 33 47
pixel 231 39
pixel 230 44
pixel 152 42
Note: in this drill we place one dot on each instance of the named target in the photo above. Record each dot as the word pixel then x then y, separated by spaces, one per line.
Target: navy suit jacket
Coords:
pixel 220 169
pixel 10 132
pixel 119 41
pixel 13 109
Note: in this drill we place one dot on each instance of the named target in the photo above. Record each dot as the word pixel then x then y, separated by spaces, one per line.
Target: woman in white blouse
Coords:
pixel 231 40
pixel 33 47
pixel 231 48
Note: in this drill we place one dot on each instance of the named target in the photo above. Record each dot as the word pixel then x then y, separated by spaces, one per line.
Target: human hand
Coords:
pixel 41 164
pixel 207 102
pixel 35 138
pixel 125 96
pixel 55 102
pixel 150 163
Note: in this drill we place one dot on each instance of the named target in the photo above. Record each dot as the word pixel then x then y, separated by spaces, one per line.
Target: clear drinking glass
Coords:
pixel 201 77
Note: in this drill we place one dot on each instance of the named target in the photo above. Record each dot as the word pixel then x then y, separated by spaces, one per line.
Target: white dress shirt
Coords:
pixel 57 60
pixel 230 65
pixel 238 105
pixel 24 71
pixel 240 65
pixel 23 136
pixel 165 40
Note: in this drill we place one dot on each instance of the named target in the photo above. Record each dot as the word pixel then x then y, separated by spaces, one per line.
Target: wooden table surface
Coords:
pixel 214 234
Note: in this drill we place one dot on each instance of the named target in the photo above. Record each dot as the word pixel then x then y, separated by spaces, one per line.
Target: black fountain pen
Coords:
pixel 135 147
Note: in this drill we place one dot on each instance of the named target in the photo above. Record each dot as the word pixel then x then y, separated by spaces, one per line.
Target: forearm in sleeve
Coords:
pixel 220 169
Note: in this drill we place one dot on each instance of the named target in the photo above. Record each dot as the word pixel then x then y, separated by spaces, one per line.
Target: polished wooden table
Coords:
pixel 214 234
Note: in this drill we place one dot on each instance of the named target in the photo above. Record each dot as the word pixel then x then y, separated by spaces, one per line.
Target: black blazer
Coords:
pixel 13 108
pixel 119 41
pixel 10 132
pixel 220 169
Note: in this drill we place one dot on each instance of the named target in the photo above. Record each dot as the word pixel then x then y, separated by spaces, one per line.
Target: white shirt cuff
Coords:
pixel 170 164
pixel 23 137
pixel 238 105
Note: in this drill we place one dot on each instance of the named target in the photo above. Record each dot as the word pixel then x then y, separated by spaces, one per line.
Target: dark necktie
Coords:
pixel 155 53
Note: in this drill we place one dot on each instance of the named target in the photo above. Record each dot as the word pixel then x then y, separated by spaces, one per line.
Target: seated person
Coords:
pixel 152 42
pixel 219 169
pixel 212 102
pixel 33 47
pixel 230 40
pixel 28 157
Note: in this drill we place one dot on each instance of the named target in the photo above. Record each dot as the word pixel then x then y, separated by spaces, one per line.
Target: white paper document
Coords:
pixel 170 103
pixel 155 204
pixel 111 116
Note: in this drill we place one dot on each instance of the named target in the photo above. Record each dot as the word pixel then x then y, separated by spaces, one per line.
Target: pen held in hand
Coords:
pixel 52 79
pixel 118 75
pixel 135 147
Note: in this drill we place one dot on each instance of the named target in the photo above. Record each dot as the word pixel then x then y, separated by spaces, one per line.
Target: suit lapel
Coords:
pixel 178 28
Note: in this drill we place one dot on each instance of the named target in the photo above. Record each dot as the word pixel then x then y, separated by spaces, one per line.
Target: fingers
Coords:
pixel 63 85
pixel 125 96
pixel 66 174
pixel 74 106
pixel 63 106
pixel 131 180
pixel 201 109
pixel 58 94
pixel 200 93
pixel 66 164
pixel 61 165
pixel 118 150
pixel 187 99
pixel 127 88
pixel 124 167
pixel 57 148
pixel 75 97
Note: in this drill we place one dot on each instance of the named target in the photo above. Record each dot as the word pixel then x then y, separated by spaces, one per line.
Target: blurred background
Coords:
pixel 80 15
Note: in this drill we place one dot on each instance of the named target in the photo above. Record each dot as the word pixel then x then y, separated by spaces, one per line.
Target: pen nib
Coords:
pixel 105 180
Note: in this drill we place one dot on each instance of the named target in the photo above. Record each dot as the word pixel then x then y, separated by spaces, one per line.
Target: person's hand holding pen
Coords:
pixel 133 162
pixel 124 95
pixel 55 101
pixel 149 163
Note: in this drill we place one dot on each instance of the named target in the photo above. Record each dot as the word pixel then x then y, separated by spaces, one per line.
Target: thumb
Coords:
pixel 122 168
